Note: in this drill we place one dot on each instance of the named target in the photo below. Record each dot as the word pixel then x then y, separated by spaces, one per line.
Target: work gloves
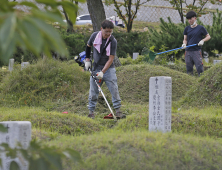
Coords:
pixel 87 65
pixel 184 46
pixel 99 75
pixel 201 43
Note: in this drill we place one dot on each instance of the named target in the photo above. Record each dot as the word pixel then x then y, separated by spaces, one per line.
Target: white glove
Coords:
pixel 99 75
pixel 201 43
pixel 184 46
pixel 87 65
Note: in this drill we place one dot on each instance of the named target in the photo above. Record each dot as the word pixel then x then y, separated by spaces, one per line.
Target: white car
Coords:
pixel 86 19
pixel 83 19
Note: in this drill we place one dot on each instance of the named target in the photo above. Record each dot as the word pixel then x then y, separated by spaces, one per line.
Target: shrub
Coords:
pixel 128 43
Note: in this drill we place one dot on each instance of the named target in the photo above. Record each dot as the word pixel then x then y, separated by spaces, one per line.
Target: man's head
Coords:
pixel 107 28
pixel 192 17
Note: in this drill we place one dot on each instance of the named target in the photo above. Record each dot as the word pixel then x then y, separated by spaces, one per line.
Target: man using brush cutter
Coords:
pixel 194 34
pixel 104 50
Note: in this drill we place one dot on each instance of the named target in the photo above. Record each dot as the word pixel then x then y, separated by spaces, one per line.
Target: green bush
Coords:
pixel 128 43
pixel 170 37
pixel 75 42
pixel 215 32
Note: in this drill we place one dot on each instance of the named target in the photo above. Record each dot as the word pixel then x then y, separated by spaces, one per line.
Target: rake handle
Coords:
pixel 175 49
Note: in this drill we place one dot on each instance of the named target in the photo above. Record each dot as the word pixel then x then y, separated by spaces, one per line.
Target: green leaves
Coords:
pixel 32 31
pixel 43 157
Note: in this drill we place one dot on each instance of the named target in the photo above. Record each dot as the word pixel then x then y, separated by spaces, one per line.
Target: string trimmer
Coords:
pixel 110 116
pixel 152 55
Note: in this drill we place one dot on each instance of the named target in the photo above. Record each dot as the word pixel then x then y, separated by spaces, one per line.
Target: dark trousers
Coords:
pixel 194 58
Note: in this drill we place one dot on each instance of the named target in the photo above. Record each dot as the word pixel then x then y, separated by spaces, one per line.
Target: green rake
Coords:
pixel 152 54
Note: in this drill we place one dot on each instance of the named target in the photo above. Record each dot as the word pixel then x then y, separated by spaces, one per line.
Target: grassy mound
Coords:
pixel 197 122
pixel 133 82
pixel 70 123
pixel 143 150
pixel 208 91
pixel 44 82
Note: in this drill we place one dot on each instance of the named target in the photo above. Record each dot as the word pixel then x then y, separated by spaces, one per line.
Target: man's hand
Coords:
pixel 201 43
pixel 99 75
pixel 184 46
pixel 87 65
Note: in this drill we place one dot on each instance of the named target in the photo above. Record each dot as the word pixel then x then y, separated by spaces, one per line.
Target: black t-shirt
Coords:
pixel 194 36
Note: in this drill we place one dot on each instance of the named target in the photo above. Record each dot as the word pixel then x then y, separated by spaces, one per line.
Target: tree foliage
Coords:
pixel 197 6
pixel 170 37
pixel 130 13
pixel 32 30
pixel 215 32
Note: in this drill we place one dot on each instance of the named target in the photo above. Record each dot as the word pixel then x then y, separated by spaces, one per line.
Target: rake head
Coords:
pixel 152 55
pixel 149 55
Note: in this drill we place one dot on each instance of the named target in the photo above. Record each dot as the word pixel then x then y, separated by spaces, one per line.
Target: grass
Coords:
pixel 71 123
pixel 199 122
pixel 207 91
pixel 141 149
pixel 133 80
pixel 47 81
pixel 194 143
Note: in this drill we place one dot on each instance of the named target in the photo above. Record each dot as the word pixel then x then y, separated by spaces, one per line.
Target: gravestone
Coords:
pixel 24 64
pixel 17 131
pixel 11 64
pixel 216 61
pixel 160 101
pixel 135 55
pixel 206 56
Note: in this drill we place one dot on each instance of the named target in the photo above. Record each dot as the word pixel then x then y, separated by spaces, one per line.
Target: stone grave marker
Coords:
pixel 160 102
pixel 24 64
pixel 11 64
pixel 135 55
pixel 216 61
pixel 17 131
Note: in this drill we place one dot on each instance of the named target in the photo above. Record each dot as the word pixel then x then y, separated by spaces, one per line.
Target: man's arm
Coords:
pixel 88 59
pixel 108 63
pixel 185 39
pixel 206 38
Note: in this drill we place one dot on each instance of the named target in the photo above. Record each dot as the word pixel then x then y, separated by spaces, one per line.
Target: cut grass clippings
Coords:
pixel 141 149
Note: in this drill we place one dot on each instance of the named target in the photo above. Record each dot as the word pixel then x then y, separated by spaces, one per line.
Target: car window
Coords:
pixel 86 17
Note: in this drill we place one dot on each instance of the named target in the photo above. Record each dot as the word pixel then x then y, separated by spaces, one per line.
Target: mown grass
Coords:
pixel 71 123
pixel 141 149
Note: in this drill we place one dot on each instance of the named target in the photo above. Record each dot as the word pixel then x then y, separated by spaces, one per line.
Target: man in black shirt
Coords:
pixel 194 34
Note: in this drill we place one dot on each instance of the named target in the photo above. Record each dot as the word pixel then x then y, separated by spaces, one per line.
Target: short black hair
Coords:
pixel 107 24
pixel 191 14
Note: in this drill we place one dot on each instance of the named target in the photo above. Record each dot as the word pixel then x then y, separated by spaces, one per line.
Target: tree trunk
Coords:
pixel 97 13
pixel 69 23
